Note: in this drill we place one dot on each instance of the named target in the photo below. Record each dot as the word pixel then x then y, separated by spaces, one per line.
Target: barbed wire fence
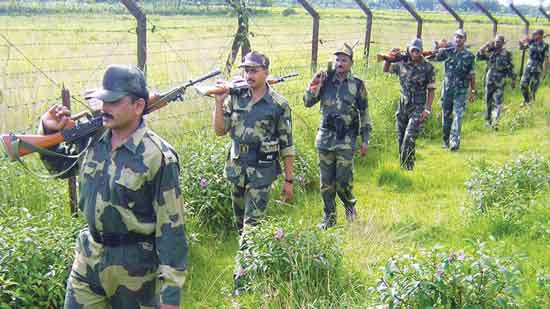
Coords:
pixel 37 60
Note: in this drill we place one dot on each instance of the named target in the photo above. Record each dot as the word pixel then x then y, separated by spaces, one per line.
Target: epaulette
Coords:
pixel 168 152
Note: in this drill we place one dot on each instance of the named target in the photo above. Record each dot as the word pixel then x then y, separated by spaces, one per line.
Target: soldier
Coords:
pixel 344 116
pixel 259 123
pixel 499 67
pixel 417 79
pixel 537 64
pixel 459 74
pixel 133 254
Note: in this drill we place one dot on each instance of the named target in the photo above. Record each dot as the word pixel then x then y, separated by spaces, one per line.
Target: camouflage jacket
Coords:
pixel 260 132
pixel 344 113
pixel 135 189
pixel 459 67
pixel 415 79
pixel 538 53
pixel 499 65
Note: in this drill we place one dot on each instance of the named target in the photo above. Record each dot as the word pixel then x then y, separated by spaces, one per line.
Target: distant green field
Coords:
pixel 415 209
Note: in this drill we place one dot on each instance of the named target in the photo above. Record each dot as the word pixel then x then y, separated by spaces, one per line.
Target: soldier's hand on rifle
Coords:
pixel 317 80
pixel 55 118
pixel 220 98
pixel 288 192
pixel 364 149
pixel 425 114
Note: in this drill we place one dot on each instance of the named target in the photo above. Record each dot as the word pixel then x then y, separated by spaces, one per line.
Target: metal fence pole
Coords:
pixel 66 99
pixel 315 35
pixel 368 31
pixel 544 13
pixel 526 32
pixel 414 14
pixel 141 32
pixel 452 12
pixel 489 15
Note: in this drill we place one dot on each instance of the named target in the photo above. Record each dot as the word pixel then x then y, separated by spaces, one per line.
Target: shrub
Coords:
pixel 288 11
pixel 439 278
pixel 506 191
pixel 293 264
pixel 36 253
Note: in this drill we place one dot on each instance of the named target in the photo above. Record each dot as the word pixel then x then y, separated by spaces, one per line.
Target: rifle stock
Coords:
pixel 74 131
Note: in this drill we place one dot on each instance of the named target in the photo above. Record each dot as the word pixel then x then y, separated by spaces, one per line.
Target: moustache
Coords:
pixel 108 116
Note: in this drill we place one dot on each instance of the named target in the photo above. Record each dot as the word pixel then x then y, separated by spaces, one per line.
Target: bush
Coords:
pixel 292 264
pixel 36 253
pixel 439 278
pixel 289 11
pixel 506 191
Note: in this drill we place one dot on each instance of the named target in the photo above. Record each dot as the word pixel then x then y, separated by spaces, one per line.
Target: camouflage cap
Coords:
pixel 500 38
pixel 460 32
pixel 345 50
pixel 255 59
pixel 415 44
pixel 120 81
pixel 538 31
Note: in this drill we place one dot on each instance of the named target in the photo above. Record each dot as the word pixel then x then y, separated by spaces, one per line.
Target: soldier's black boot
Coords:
pixel 328 221
pixel 351 214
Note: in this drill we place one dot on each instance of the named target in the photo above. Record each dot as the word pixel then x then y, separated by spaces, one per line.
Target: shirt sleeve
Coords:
pixel 442 54
pixel 510 63
pixel 482 56
pixel 311 98
pixel 394 68
pixel 227 111
pixel 431 77
pixel 284 128
pixel 170 238
pixel 363 106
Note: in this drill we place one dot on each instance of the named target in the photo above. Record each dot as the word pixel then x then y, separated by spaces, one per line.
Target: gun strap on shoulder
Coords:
pixel 17 143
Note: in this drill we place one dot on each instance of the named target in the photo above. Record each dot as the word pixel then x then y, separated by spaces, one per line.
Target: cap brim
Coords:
pixel 105 95
pixel 249 64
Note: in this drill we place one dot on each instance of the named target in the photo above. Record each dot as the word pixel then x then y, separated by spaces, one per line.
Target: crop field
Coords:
pixel 399 212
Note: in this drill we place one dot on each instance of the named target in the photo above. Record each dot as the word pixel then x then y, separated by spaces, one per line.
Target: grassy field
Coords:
pixel 397 209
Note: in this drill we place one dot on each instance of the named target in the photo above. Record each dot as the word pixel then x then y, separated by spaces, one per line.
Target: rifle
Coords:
pixel 17 146
pixel 396 55
pixel 237 86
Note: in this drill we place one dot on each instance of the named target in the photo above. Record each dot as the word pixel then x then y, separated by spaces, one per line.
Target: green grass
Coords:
pixel 397 209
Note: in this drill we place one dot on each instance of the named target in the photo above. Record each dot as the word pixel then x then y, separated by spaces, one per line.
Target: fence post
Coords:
pixel 489 15
pixel 526 32
pixel 414 14
pixel 315 35
pixel 66 99
pixel 240 40
pixel 368 32
pixel 141 32
pixel 455 15
pixel 544 13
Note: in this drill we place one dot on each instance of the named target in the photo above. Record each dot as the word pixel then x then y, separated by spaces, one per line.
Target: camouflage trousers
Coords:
pixel 529 84
pixel 408 126
pixel 112 277
pixel 249 205
pixel 336 169
pixel 453 105
pixel 494 95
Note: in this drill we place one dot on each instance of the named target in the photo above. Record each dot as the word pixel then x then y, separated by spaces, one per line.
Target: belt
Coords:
pixel 115 240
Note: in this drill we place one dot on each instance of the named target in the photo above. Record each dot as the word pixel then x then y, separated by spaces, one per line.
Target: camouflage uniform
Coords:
pixel 133 253
pixel 344 115
pixel 260 132
pixel 415 79
pixel 499 67
pixel 459 66
pixel 538 54
pixel 131 192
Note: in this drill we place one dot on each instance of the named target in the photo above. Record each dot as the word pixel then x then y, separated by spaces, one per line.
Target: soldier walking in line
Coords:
pixel 537 65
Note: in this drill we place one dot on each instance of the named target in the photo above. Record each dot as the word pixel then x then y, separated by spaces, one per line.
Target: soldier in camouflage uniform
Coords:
pixel 459 74
pixel 133 254
pixel 344 116
pixel 537 64
pixel 499 67
pixel 259 123
pixel 417 79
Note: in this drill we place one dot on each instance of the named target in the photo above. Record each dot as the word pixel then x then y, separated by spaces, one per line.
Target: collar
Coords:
pixel 268 95
pixel 349 77
pixel 133 140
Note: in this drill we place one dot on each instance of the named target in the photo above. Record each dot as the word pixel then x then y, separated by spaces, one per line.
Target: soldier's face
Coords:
pixel 537 37
pixel 342 63
pixel 499 44
pixel 123 113
pixel 415 54
pixel 255 76
pixel 460 40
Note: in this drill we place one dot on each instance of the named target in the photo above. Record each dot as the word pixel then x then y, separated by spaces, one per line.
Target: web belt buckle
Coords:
pixel 243 148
